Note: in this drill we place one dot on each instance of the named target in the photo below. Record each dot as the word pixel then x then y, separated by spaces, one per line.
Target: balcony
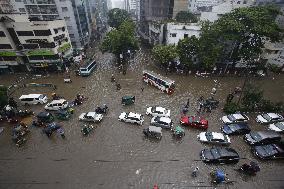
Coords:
pixel 41 2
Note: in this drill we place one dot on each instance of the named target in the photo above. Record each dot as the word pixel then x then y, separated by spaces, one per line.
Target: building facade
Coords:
pixel 201 5
pixel 76 13
pixel 180 5
pixel 35 45
pixel 6 6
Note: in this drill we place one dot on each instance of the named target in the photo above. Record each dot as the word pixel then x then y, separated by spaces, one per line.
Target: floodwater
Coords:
pixel 116 154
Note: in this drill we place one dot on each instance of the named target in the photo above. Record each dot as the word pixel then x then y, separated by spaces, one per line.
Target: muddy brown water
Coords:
pixel 116 154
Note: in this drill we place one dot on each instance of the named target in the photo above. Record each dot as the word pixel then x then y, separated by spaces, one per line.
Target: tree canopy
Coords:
pixel 117 16
pixel 164 53
pixel 119 40
pixel 186 17
pixel 187 49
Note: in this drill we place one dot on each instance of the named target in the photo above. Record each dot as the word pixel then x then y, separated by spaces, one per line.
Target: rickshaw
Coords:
pixel 127 100
pixel 45 117
pixel 250 169
pixel 50 128
pixel 178 132
pixel 218 176
pixel 87 129
pixel 63 115
pixel 153 132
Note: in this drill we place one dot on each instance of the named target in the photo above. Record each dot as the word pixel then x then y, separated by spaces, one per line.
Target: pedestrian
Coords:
pixel 194 172
pixel 142 89
pixel 60 131
pixel 118 87
pixel 187 103
pixel 214 90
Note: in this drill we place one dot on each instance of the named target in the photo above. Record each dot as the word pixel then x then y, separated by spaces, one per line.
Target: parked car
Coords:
pixel 234 118
pixel 131 118
pixel 269 118
pixel 262 137
pixel 236 129
pixel 213 137
pixel 193 121
pixel 269 151
pixel 158 111
pixel 278 127
pixel 163 122
pixel 57 105
pixel 153 132
pixel 91 117
pixel 33 99
pixel 219 155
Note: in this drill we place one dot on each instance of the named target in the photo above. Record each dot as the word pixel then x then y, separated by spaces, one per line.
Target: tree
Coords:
pixel 118 41
pixel 244 29
pixel 164 53
pixel 187 49
pixel 117 16
pixel 3 96
pixel 186 17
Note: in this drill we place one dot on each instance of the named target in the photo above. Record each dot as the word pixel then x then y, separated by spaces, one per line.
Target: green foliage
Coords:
pixel 187 49
pixel 120 40
pixel 231 108
pixel 186 17
pixel 252 97
pixel 164 53
pixel 3 96
pixel 117 16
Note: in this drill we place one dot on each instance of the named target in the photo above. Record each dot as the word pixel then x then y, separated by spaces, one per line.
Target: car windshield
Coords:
pixel 255 136
pixel 280 125
pixel 267 117
pixel 209 136
pixel 270 150
pixel 231 117
pixel 234 127
pixel 215 153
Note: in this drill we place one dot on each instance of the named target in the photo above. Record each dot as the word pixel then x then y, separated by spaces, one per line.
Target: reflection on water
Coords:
pixel 114 151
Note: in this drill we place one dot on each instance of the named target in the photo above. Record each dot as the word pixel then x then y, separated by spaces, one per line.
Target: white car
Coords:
pixel 269 118
pixel 278 127
pixel 164 122
pixel 57 105
pixel 91 117
pixel 131 117
pixel 234 118
pixel 214 137
pixel 158 111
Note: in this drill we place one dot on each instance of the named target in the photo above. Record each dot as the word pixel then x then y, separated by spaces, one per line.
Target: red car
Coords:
pixel 193 121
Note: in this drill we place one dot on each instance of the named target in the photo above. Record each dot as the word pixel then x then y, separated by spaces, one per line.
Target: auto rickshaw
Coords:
pixel 87 129
pixel 50 128
pixel 178 132
pixel 63 115
pixel 45 117
pixel 127 100
pixel 218 176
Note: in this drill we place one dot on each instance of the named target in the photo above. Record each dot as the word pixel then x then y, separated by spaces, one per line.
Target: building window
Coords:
pixel 173 34
pixel 238 2
pixel 30 46
pixel 69 28
pixel 22 9
pixel 67 18
pixel 25 33
pixel 55 30
pixel 2 34
pixel 62 0
pixel 5 46
pixel 63 28
pixel 18 0
pixel 71 35
pixel 42 32
pixel 185 35
pixel 64 9
pixel 9 58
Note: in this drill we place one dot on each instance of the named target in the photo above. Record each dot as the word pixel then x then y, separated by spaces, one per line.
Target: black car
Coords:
pixel 262 137
pixel 235 129
pixel 219 155
pixel 269 151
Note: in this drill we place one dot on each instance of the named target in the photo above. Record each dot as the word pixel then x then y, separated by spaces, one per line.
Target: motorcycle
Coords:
pixel 19 140
pixel 102 110
pixel 24 113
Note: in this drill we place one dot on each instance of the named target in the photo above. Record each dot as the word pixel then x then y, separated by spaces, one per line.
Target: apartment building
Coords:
pixel 6 6
pixel 35 45
pixel 76 13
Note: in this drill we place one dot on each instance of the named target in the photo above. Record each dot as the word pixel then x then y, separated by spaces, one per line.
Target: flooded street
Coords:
pixel 116 155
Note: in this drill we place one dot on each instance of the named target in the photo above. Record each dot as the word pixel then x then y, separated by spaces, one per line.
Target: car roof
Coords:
pixel 57 101
pixel 43 114
pixel 131 114
pixel 160 109
pixel 273 115
pixel 92 114
pixel 239 116
pixel 217 135
pixel 226 151
pixel 268 134
pixel 165 119
pixel 30 96
pixel 155 129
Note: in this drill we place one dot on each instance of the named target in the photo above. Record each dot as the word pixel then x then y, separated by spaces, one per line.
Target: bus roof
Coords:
pixel 88 62
pixel 158 76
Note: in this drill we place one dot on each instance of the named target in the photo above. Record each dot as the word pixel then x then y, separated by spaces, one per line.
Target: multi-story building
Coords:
pixel 6 6
pixel 200 5
pixel 33 44
pixel 126 5
pixel 180 5
pixel 76 13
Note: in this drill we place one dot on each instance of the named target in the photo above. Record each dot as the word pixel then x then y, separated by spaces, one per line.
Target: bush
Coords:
pixel 231 108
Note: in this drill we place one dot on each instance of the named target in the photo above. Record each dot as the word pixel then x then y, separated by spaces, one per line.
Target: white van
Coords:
pixel 33 99
pixel 57 105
